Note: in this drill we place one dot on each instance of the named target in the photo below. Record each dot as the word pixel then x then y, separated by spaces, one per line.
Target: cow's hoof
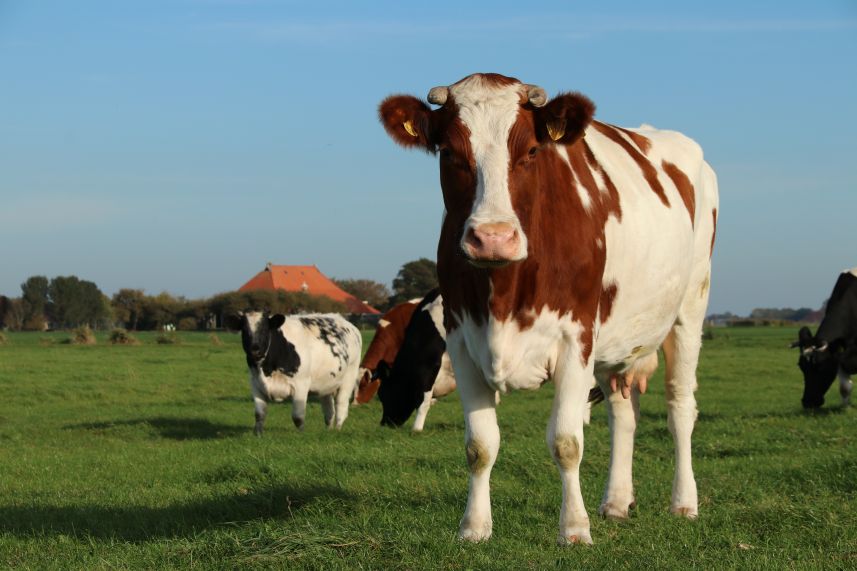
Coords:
pixel 474 533
pixel 299 423
pixel 612 510
pixel 574 536
pixel 685 511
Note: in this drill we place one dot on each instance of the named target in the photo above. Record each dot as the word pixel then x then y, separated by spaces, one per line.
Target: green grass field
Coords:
pixel 143 457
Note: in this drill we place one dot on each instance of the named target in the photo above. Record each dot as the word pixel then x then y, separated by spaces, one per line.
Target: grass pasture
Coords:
pixel 143 457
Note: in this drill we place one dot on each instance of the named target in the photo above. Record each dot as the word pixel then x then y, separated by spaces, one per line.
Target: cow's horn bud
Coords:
pixel 535 95
pixel 438 95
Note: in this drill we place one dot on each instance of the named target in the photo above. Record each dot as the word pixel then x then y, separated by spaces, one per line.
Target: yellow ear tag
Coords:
pixel 409 127
pixel 556 130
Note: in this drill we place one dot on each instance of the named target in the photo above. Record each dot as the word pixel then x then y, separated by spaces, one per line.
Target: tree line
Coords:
pixel 67 301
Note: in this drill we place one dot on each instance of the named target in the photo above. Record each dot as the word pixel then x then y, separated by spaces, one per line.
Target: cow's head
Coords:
pixel 257 329
pixel 399 399
pixel 488 130
pixel 819 365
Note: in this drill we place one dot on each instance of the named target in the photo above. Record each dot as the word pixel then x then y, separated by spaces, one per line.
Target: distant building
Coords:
pixel 306 279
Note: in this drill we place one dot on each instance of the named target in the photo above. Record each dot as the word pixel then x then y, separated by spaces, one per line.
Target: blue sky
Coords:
pixel 181 145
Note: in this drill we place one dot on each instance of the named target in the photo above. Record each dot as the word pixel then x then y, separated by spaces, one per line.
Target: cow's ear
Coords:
pixel 804 337
pixel 234 322
pixel 563 119
pixel 276 321
pixel 408 121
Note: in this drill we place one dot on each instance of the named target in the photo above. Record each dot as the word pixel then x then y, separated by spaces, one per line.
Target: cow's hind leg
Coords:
pixel 681 353
pixel 622 415
pixel 345 393
pixel 481 443
pixel 565 440
pixel 328 407
pixel 299 398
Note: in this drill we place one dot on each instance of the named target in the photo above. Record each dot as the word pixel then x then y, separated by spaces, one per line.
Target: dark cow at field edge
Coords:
pixel 832 351
pixel 571 249
pixel 421 372
pixel 297 357
pixel 384 347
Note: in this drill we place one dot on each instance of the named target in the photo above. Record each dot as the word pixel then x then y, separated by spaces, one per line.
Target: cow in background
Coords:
pixel 832 351
pixel 385 345
pixel 421 372
pixel 297 357
pixel 571 249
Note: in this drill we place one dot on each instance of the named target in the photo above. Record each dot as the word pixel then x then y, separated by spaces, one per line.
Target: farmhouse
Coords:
pixel 307 279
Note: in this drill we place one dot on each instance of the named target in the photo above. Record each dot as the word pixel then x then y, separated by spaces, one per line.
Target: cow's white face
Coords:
pixel 492 233
pixel 488 131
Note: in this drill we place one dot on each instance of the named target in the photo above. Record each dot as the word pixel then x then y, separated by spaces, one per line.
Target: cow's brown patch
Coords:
pixel 684 187
pixel 649 171
pixel 641 141
pixel 605 304
pixel 611 202
pixel 713 231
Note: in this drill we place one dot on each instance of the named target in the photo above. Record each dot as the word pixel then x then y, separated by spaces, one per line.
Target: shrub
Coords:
pixel 167 338
pixel 82 335
pixel 187 324
pixel 215 340
pixel 122 337
pixel 3 339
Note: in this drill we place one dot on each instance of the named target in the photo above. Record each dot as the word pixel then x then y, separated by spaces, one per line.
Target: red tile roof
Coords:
pixel 307 279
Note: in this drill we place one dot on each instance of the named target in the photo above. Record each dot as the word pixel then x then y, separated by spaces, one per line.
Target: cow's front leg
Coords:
pixel 299 398
pixel 565 440
pixel 622 416
pixel 422 412
pixel 845 387
pixel 481 442
pixel 328 407
pixel 261 407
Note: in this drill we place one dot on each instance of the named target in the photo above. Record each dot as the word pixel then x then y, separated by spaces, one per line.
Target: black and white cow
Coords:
pixel 421 371
pixel 832 351
pixel 297 357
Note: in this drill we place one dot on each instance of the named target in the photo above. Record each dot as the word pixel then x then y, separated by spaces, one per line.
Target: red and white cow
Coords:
pixel 570 249
pixel 389 336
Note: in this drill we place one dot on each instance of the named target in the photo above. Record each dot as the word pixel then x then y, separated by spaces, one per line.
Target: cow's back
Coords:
pixel 328 345
pixel 658 249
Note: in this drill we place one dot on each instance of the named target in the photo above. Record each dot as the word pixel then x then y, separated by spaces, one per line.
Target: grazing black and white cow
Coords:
pixel 300 356
pixel 832 352
pixel 421 371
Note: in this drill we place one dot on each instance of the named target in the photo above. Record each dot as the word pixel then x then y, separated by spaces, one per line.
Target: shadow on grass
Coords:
pixel 140 523
pixel 169 427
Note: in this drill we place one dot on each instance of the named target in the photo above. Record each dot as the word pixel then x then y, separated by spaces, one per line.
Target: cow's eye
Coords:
pixel 533 151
